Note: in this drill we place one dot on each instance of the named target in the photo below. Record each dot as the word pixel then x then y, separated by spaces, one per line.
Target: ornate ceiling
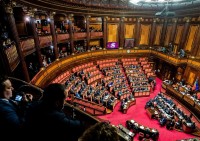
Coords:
pixel 117 7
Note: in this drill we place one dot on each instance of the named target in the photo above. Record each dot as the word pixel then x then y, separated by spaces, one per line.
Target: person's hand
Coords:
pixel 27 97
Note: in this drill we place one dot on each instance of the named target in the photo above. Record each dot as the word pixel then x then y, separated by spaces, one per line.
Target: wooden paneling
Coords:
pixel 45 41
pixel 21 28
pixel 62 37
pixel 144 34
pixel 12 56
pixel 112 32
pixel 95 43
pixel 158 34
pixel 96 26
pixel 27 46
pixel 191 37
pixel 191 74
pixel 191 78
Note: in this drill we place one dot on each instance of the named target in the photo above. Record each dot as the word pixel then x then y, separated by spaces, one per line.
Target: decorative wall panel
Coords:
pixel 129 30
pixel 144 34
pixel 112 32
pixel 191 77
pixel 158 34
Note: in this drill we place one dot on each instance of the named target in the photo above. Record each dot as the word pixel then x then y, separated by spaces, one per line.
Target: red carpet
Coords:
pixel 138 113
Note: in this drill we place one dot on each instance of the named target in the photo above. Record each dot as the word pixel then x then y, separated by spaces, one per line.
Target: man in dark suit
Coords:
pixel 47 119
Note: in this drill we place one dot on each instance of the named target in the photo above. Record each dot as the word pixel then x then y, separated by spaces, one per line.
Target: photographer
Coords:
pixel 12 109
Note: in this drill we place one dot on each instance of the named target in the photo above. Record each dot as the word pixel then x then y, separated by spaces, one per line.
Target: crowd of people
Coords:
pixel 24 119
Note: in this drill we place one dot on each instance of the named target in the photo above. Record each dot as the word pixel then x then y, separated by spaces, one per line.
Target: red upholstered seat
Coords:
pixel 198 96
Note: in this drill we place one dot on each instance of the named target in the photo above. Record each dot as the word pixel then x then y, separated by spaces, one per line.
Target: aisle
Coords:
pixel 138 113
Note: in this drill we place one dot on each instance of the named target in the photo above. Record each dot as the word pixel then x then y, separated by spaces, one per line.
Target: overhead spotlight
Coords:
pixel 27 18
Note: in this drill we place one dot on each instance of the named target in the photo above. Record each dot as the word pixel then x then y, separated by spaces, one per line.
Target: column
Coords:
pixel 164 29
pixel 173 31
pixel 88 32
pixel 185 33
pixel 121 36
pixel 36 39
pixel 172 37
pixel 9 14
pixel 53 33
pixel 71 34
pixel 104 32
pixel 137 32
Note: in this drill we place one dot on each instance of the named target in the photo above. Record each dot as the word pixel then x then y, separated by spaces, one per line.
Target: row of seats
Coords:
pixel 106 61
pixel 61 78
pixel 81 67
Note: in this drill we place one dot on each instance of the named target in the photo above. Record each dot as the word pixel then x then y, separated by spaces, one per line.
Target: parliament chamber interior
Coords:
pixel 132 63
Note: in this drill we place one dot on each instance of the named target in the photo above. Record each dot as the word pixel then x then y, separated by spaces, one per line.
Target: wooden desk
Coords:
pixel 152 112
pixel 126 131
pixel 189 99
pixel 186 100
pixel 123 136
pixel 152 132
pixel 128 105
pixel 187 127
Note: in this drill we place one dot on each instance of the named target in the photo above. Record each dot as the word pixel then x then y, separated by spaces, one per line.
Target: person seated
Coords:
pixel 182 53
pixel 135 127
pixel 123 103
pixel 82 72
pixel 193 125
pixel 178 124
pixel 101 131
pixel 119 93
pixel 170 125
pixel 78 95
pixel 67 82
pixel 183 82
pixel 110 84
pixel 163 121
pixel 149 104
pixel 111 101
pixel 131 97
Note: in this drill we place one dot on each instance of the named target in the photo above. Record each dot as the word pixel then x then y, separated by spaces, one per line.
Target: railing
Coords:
pixel 46 75
pixel 89 107
pixel 23 86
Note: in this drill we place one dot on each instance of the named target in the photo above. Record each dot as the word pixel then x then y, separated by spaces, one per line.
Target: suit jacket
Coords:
pixel 11 120
pixel 10 117
pixel 49 123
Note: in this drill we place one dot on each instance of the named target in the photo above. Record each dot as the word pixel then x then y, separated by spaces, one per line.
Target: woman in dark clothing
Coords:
pixel 11 110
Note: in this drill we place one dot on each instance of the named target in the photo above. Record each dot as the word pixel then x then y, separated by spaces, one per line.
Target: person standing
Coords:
pixel 11 111
pixel 48 118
